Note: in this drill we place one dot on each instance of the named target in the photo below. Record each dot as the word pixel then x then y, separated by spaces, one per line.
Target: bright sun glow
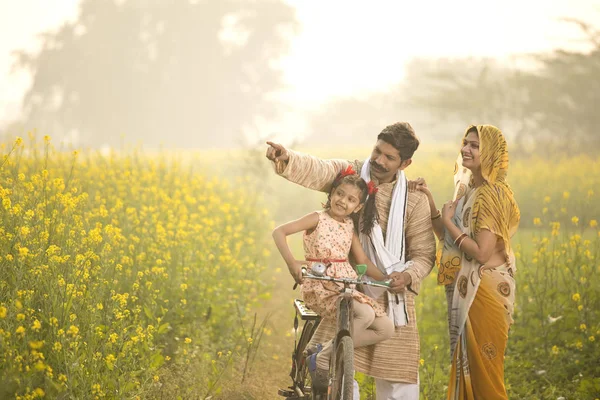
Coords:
pixel 347 48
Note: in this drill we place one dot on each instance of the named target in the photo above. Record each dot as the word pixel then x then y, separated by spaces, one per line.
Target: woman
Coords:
pixel 476 263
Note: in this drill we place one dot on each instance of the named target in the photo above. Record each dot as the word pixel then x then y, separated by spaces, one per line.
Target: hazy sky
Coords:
pixel 348 47
pixel 345 46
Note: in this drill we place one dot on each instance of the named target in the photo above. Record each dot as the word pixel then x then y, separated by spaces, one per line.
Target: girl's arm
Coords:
pixel 280 235
pixel 361 258
pixel 481 248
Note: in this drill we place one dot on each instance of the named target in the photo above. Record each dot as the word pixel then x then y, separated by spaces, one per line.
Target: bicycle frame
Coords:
pixel 344 305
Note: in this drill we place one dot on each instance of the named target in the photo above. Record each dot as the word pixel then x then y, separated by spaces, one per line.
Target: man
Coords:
pixel 405 238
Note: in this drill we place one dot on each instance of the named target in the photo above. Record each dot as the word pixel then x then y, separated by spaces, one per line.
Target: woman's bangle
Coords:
pixel 439 214
pixel 461 241
pixel 459 237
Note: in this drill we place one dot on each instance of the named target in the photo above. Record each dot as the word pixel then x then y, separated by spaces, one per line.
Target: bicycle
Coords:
pixel 341 365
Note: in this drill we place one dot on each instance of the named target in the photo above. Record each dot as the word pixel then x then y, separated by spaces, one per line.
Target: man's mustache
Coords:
pixel 377 167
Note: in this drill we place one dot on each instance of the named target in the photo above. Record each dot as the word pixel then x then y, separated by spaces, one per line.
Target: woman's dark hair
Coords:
pixel 472 129
pixel 369 211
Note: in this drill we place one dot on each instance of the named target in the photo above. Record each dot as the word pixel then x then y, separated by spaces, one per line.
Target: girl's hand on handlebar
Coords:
pixel 295 269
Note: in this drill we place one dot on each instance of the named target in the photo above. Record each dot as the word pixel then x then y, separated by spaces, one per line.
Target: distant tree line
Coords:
pixel 551 106
pixel 171 73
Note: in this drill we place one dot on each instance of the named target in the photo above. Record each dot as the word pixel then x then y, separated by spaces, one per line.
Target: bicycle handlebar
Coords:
pixel 347 281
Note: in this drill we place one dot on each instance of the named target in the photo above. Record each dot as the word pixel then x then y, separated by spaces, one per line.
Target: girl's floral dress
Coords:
pixel 331 240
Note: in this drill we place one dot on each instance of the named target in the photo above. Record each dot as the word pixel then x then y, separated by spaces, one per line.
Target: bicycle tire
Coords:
pixel 344 318
pixel 342 387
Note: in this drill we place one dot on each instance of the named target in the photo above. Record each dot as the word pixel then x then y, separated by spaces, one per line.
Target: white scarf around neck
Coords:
pixel 388 254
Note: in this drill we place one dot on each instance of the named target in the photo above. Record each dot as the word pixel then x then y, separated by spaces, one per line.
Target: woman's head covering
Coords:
pixel 493 153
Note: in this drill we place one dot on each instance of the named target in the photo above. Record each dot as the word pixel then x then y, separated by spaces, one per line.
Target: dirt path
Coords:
pixel 271 368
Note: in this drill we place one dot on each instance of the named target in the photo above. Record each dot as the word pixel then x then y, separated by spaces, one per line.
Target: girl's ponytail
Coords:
pixel 369 214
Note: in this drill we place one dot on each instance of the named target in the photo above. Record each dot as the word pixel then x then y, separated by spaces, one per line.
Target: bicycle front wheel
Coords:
pixel 342 387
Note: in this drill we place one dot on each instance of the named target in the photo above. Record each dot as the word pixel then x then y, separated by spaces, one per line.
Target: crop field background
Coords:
pixel 153 275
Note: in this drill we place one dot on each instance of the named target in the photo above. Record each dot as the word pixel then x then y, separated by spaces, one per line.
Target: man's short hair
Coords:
pixel 402 136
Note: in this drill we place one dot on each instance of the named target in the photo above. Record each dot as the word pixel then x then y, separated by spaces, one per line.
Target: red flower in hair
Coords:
pixel 348 171
pixel 372 188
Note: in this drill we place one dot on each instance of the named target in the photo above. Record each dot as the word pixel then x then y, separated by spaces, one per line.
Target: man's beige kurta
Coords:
pixel 396 359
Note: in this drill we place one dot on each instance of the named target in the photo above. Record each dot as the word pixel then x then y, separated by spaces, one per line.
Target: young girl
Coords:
pixel 329 237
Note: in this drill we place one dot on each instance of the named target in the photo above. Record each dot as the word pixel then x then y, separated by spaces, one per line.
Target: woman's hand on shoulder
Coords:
pixel 420 185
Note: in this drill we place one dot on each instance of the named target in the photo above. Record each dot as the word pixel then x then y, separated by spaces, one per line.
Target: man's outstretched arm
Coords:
pixel 304 169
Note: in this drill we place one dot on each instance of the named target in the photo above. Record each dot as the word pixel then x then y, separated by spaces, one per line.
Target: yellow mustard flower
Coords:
pixel 73 330
pixel 36 326
pixel 36 345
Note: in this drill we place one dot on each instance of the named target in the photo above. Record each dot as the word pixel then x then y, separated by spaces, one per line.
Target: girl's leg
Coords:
pixel 368 330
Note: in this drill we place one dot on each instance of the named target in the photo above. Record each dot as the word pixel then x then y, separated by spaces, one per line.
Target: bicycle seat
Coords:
pixel 305 312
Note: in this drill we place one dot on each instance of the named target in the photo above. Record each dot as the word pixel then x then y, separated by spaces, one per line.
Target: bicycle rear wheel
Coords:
pixel 300 369
pixel 299 373
pixel 342 387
